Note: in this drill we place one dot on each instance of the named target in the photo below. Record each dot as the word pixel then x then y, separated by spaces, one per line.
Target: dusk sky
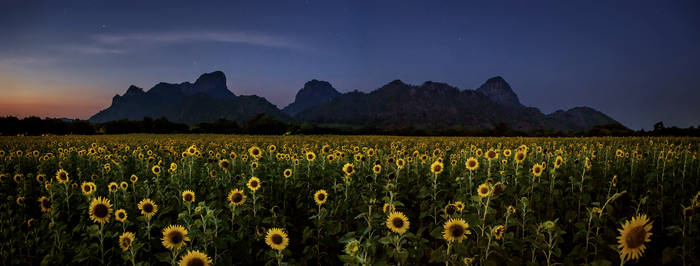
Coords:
pixel 637 61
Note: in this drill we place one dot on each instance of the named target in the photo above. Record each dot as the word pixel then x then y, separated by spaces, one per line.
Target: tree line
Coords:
pixel 266 125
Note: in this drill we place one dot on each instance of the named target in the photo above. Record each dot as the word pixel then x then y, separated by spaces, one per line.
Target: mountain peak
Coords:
pixel 133 90
pixel 212 84
pixel 499 91
pixel 313 93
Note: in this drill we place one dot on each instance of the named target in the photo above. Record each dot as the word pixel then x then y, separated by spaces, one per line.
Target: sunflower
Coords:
pixel 112 187
pixel 537 169
pixel 175 236
pixel 388 207
pixel 156 170
pixel 352 247
pixel 100 210
pixel 484 190
pixel 236 197
pixel 255 152
pixel 320 197
pixel 558 161
pixel 450 209
pixel 148 207
pixel 133 179
pixel 87 188
pixel 310 156
pixel 30 222
pixel 40 178
pixel 287 173
pixel 507 152
pixel 468 260
pixel 195 258
pixel 436 167
pixel 455 230
pixel 400 163
pixel 511 209
pixel 459 205
pixel 120 215
pixel 491 155
pixel 633 235
pixel 277 239
pixel 62 176
pixel 173 166
pixel 19 201
pixel 348 168
pixel 588 163
pixel 254 183
pixel 18 178
pixel 126 240
pixel 224 164
pixel 123 185
pixel 498 231
pixel 472 164
pixel 520 156
pixel 377 168
pixel 188 196
pixel 397 222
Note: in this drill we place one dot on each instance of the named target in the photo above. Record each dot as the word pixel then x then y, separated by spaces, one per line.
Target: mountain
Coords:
pixel 435 105
pixel 208 99
pixel 313 93
pixel 580 119
pixel 431 106
pixel 499 91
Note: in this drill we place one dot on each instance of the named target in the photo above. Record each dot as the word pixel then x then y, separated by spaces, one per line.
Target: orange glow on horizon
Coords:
pixel 48 109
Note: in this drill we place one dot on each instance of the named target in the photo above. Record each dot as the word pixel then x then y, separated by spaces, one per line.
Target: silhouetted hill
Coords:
pixel 208 99
pixel 430 107
pixel 439 106
pixel 313 93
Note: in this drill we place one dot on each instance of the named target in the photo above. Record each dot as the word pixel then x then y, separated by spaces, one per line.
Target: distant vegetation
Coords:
pixel 266 125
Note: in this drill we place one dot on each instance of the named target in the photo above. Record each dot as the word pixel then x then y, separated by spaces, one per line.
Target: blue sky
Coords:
pixel 637 61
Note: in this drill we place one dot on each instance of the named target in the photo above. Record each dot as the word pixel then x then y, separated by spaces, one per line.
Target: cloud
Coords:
pixel 93 49
pixel 175 37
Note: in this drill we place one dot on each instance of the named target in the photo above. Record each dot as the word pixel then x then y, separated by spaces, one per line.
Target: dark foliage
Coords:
pixel 263 124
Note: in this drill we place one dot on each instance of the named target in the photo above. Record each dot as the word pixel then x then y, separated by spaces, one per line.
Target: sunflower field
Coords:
pixel 355 200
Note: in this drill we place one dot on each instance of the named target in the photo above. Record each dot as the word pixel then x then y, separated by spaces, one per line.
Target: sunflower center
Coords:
pixel 635 238
pixel 121 215
pixel 321 197
pixel 195 262
pixel 126 242
pixel 46 204
pixel 456 230
pixel 63 176
pixel 224 164
pixel 148 208
pixel 175 237
pixel 100 210
pixel 451 210
pixel 484 190
pixel 397 222
pixel 188 197
pixel 254 183
pixel 237 197
pixel 276 239
pixel 472 164
pixel 87 188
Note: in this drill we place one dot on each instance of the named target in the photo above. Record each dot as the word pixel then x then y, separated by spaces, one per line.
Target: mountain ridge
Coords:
pixel 395 105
